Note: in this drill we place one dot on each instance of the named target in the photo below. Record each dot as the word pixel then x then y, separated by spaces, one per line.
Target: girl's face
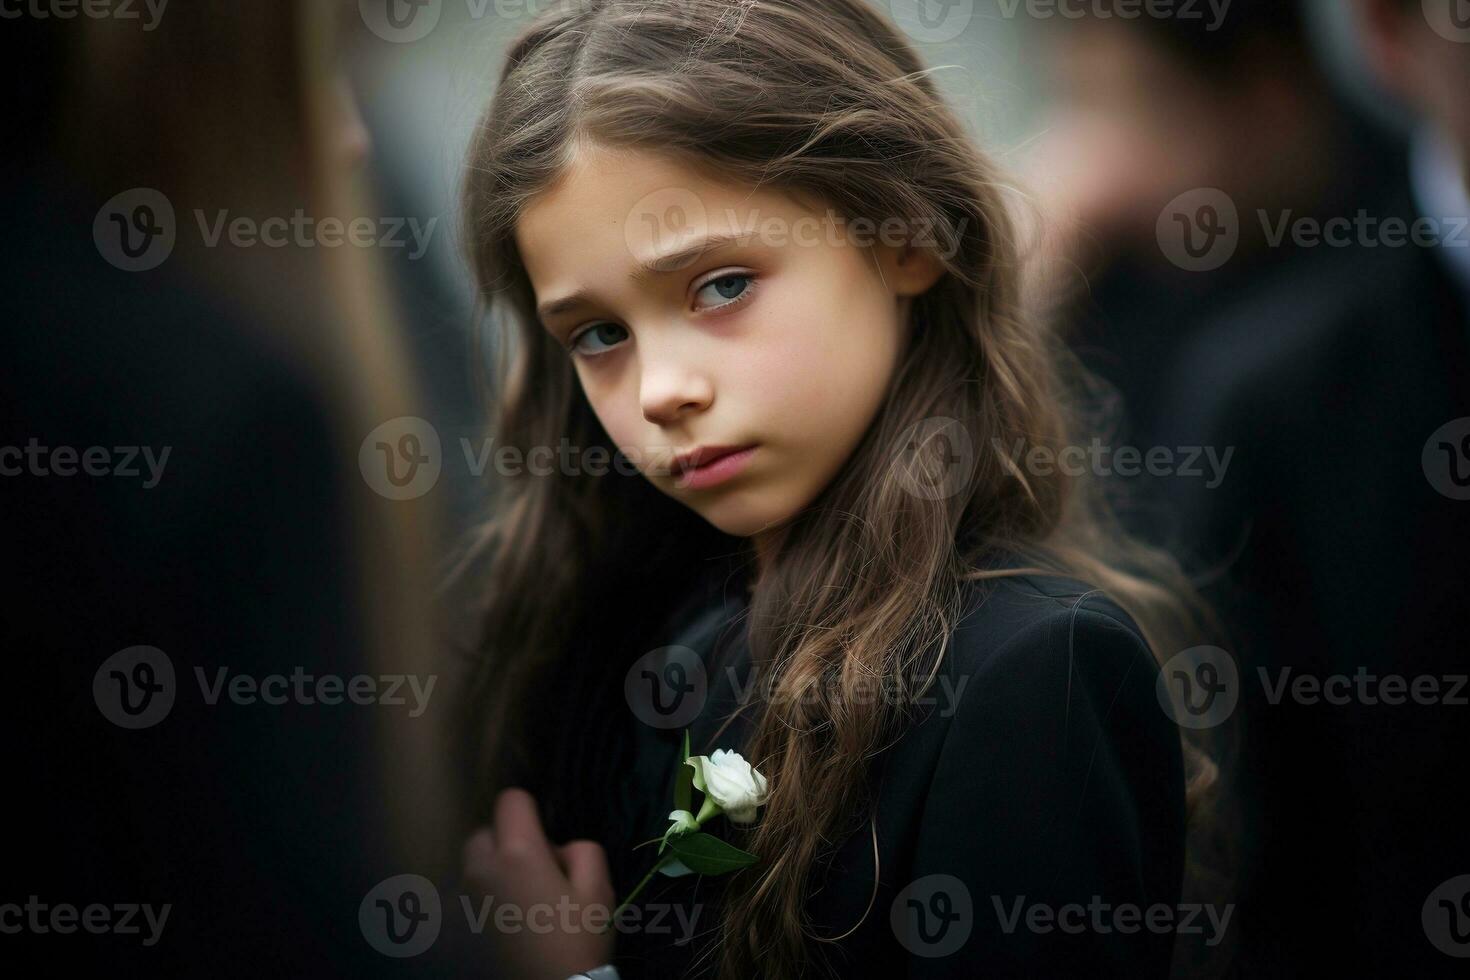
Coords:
pixel 782 340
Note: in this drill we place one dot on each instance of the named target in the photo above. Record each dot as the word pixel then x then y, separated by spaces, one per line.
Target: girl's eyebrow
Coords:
pixel 670 261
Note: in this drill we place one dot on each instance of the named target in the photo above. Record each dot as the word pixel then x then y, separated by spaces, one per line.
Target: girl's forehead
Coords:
pixel 636 200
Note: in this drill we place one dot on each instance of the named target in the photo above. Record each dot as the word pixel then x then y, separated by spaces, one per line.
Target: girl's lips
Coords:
pixel 715 471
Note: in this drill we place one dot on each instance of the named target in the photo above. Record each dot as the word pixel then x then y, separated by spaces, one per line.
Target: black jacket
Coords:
pixel 1042 773
pixel 1341 558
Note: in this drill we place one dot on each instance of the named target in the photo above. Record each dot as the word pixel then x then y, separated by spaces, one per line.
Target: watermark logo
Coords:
pixel 135 688
pixel 932 21
pixel 662 221
pixel 402 458
pixel 1446 917
pixel 401 21
pixel 1446 459
pixel 1199 231
pixel 936 458
pixel 666 688
pixel 401 916
pixel 1199 687
pixel 1449 18
pixel 933 916
pixel 135 231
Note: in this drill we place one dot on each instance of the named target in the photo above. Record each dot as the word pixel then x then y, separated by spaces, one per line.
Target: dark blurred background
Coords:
pixel 1249 218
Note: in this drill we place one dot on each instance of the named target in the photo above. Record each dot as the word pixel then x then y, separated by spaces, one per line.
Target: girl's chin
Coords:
pixel 740 514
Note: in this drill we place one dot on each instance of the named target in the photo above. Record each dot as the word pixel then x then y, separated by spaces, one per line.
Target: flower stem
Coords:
pixel 640 886
pixel 709 810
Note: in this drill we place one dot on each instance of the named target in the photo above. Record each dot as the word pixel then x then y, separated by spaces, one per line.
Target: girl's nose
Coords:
pixel 670 391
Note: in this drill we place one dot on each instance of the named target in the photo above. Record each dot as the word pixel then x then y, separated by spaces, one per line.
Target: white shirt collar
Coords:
pixel 1439 181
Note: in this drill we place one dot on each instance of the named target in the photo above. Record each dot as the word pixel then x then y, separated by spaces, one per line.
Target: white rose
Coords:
pixel 731 782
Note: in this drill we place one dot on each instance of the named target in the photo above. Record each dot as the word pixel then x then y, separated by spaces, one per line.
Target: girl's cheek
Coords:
pixel 813 347
pixel 614 400
pixel 792 334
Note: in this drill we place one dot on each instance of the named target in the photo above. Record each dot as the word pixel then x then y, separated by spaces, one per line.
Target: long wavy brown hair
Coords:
pixel 823 97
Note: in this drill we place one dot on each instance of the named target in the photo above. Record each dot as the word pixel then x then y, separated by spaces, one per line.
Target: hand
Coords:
pixel 562 896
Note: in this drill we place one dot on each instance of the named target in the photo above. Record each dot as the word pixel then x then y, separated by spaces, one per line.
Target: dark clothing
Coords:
pixel 258 824
pixel 1341 559
pixel 1041 772
pixel 1139 312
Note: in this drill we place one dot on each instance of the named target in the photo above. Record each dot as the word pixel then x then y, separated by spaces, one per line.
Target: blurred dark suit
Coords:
pixel 1140 311
pixel 1342 558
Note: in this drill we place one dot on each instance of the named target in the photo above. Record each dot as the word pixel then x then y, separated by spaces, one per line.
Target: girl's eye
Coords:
pixel 607 334
pixel 726 289
pixel 723 291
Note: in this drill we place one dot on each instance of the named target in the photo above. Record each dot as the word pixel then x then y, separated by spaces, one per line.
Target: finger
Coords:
pixel 478 857
pixel 519 837
pixel 586 865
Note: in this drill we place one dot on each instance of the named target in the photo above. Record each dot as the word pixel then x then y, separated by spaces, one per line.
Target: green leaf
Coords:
pixel 684 752
pixel 708 855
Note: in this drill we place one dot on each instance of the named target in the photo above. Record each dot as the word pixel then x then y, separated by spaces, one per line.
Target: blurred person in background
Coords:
pixel 180 456
pixel 1342 525
pixel 1150 108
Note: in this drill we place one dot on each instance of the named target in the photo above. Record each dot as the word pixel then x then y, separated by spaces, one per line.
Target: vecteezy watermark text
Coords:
pixel 1364 687
pixel 402 916
pixel 306 231
pixel 121 918
pixel 668 687
pixel 91 9
pixel 1202 229
pixel 38 460
pixel 566 916
pixel 1184 10
pixel 136 230
pixel 1125 461
pixel 303 688
pixel 406 21
pixel 1202 686
pixel 670 217
pixel 136 688
pixel 1104 918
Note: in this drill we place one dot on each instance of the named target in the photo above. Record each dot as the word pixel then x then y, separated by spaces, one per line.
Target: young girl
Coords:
pixel 747 248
